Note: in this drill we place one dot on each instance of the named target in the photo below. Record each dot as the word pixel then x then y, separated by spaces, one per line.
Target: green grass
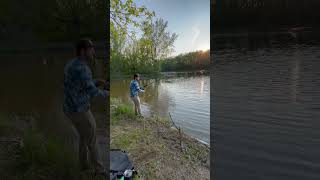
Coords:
pixel 129 139
pixel 121 111
pixel 124 109
pixel 6 126
pixel 194 152
pixel 44 158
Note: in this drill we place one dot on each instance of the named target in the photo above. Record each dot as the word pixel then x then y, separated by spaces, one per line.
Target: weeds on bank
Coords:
pixel 195 152
pixel 120 111
pixel 44 158
pixel 7 127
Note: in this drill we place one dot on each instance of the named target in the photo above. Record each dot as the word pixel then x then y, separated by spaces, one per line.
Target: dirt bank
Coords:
pixel 155 148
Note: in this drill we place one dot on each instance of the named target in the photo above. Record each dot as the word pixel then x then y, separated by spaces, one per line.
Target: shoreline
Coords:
pixel 164 74
pixel 156 149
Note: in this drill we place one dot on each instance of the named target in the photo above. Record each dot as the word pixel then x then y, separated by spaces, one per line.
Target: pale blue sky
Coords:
pixel 190 19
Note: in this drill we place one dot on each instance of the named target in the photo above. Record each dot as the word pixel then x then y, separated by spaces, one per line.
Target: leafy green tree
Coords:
pixel 125 19
pixel 161 40
pixel 125 14
pixel 52 20
pixel 130 53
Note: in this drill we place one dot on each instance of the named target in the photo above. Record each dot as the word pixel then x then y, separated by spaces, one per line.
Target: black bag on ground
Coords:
pixel 119 164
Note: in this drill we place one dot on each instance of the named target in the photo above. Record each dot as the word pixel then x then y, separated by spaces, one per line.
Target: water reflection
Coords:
pixel 185 97
pixel 295 76
pixel 201 85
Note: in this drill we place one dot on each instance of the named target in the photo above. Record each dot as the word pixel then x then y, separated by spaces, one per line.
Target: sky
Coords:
pixel 190 19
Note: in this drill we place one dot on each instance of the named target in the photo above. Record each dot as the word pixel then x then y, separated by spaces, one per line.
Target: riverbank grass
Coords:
pixel 154 146
pixel 32 155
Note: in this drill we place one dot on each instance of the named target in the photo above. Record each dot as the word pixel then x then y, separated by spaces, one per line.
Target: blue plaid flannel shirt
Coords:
pixel 135 88
pixel 79 87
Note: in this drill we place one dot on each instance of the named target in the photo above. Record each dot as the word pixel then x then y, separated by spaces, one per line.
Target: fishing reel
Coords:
pixel 107 86
pixel 104 86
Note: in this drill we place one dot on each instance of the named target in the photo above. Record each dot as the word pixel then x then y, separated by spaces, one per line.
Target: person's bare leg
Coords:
pixel 139 106
pixel 135 109
pixel 135 106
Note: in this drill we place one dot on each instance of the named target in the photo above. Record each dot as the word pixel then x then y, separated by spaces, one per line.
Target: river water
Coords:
pixel 186 97
pixel 265 103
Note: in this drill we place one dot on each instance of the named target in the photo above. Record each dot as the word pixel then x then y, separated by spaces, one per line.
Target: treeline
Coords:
pixel 52 20
pixel 198 60
pixel 265 13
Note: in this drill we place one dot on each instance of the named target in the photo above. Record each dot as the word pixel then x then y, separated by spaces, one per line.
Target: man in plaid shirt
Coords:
pixel 135 89
pixel 79 88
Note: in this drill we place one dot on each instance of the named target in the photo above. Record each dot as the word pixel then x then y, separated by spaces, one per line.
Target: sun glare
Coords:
pixel 203 47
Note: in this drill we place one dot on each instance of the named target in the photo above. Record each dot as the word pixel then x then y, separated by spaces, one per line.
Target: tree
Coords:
pixel 161 40
pixel 53 20
pixel 80 17
pixel 130 53
pixel 125 14
pixel 125 19
pixel 197 60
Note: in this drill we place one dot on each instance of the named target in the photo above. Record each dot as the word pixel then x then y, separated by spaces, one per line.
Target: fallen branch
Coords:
pixel 179 130
pixel 173 121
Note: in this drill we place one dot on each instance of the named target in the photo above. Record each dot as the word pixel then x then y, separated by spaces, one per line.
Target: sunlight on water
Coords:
pixel 186 98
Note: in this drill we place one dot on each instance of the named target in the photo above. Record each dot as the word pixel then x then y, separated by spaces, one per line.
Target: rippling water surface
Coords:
pixel 266 112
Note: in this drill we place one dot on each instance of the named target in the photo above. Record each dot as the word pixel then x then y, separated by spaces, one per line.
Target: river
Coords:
pixel 265 104
pixel 186 97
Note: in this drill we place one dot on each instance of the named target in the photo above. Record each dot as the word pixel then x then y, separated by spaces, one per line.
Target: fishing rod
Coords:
pixel 155 80
pixel 149 84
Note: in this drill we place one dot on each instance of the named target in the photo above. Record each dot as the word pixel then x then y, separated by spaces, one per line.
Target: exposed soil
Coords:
pixel 155 149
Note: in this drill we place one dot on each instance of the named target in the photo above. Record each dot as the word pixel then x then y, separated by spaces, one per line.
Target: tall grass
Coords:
pixel 7 127
pixel 44 157
pixel 121 110
pixel 32 154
